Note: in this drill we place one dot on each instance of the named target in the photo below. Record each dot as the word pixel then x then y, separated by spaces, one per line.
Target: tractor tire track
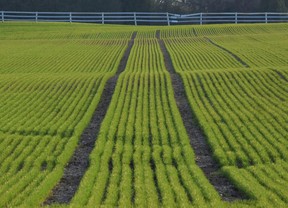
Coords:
pixel 229 52
pixel 203 153
pixel 280 74
pixel 64 191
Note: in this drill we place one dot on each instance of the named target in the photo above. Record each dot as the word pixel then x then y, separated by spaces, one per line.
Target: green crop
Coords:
pixel 52 76
pixel 243 112
pixel 142 156
pixel 50 86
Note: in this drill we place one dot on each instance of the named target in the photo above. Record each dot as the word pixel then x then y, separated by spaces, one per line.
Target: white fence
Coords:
pixel 144 17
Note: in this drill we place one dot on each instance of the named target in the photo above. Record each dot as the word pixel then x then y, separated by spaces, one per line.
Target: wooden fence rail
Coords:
pixel 136 18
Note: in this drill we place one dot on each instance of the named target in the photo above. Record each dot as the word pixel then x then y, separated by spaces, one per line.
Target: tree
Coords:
pixel 136 5
pixel 177 6
pixel 274 5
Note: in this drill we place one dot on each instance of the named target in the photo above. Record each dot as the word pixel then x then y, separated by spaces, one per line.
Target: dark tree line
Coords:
pixel 180 6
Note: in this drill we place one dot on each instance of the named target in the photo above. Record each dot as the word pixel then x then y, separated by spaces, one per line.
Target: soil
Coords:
pixel 78 164
pixel 158 34
pixel 194 32
pixel 203 153
pixel 226 50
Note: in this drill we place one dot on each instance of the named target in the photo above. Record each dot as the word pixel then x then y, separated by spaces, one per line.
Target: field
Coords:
pixel 186 116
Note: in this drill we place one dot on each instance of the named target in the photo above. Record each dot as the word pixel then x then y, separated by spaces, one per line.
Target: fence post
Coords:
pixel 266 17
pixel 103 21
pixel 36 17
pixel 2 16
pixel 168 19
pixel 135 19
pixel 236 18
pixel 70 17
pixel 201 18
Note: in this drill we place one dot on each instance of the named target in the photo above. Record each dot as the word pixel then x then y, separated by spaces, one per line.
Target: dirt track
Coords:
pixel 204 158
pixel 78 164
pixel 229 52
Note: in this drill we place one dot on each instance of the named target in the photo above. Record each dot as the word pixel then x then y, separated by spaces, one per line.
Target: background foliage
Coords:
pixel 181 6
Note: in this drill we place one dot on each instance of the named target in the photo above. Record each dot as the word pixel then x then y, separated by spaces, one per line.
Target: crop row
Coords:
pixel 146 34
pixel 49 104
pixel 257 54
pixel 178 33
pixel 242 113
pixel 58 56
pixel 223 30
pixel 49 91
pixel 145 56
pixel 50 31
pixel 241 29
pixel 268 184
pixel 190 54
pixel 142 156
pixel 31 167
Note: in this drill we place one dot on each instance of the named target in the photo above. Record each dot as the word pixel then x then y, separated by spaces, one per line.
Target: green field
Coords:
pixel 235 77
